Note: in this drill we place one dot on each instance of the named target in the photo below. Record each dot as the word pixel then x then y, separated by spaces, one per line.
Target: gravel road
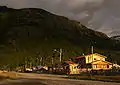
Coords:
pixel 47 79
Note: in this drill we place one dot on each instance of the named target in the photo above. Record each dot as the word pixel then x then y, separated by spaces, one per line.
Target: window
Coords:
pixel 94 66
pixel 88 59
pixel 99 66
pixel 107 66
pixel 75 67
pixel 95 59
pixel 98 58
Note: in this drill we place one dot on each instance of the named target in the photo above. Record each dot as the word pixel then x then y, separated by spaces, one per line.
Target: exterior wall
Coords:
pixel 71 69
pixel 74 69
pixel 93 57
pixel 100 66
pixel 110 66
pixel 89 59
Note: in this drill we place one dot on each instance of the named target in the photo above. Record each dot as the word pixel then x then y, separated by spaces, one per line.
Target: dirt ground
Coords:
pixel 46 79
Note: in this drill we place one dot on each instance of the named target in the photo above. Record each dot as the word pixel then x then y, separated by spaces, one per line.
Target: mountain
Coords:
pixel 117 44
pixel 116 37
pixel 32 32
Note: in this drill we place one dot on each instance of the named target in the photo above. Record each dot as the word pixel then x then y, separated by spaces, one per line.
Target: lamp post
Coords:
pixel 60 52
pixel 92 51
pixel 60 55
pixel 92 48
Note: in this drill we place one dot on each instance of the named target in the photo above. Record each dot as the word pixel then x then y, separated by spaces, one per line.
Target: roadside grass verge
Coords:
pixel 97 78
pixel 4 78
pixel 7 75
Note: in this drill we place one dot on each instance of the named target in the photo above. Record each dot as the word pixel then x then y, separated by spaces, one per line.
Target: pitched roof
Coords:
pixel 100 55
pixel 79 57
pixel 98 61
pixel 91 54
pixel 70 62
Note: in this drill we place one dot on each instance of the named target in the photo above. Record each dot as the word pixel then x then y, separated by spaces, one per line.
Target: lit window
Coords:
pixel 98 58
pixel 94 66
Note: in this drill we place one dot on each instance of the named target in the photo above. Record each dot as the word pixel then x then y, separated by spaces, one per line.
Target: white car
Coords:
pixel 29 69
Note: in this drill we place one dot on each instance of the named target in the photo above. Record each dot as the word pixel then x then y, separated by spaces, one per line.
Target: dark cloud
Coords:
pixel 101 15
pixel 107 18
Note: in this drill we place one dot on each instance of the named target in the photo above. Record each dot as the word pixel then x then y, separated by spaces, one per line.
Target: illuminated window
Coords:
pixel 98 59
pixel 94 66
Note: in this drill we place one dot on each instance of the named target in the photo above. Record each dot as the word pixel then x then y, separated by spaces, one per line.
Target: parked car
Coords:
pixel 29 69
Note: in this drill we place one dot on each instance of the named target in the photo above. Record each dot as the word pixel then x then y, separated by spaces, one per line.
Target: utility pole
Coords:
pixel 41 60
pixel 92 50
pixel 52 64
pixel 60 55
pixel 30 61
pixel 52 61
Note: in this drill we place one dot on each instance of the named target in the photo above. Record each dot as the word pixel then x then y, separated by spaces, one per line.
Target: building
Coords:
pixel 97 65
pixel 94 61
pixel 71 67
pixel 116 65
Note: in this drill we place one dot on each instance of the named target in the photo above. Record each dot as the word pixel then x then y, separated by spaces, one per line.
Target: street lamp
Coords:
pixel 92 50
pixel 92 46
pixel 60 52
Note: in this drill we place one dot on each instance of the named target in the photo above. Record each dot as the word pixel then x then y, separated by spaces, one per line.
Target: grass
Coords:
pixel 7 75
pixel 3 77
pixel 98 78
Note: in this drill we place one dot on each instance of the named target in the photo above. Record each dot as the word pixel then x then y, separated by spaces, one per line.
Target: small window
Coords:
pixel 107 66
pixel 98 59
pixel 75 67
pixel 94 66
